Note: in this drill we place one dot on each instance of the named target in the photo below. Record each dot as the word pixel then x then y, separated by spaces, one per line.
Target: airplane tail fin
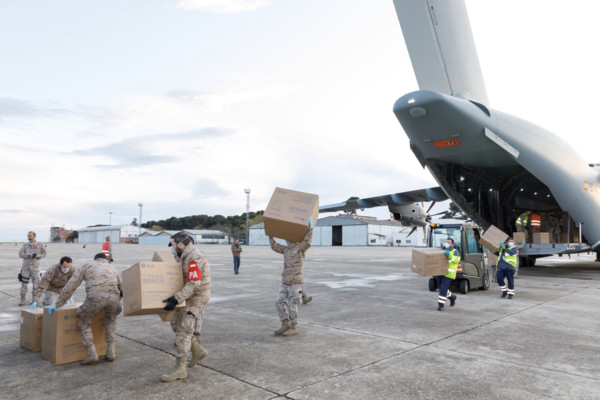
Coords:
pixel 441 47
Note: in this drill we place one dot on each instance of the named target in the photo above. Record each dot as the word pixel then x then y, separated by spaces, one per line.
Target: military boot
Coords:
pixel 285 325
pixel 180 371
pixel 92 356
pixel 306 299
pixel 22 303
pixel 110 351
pixel 293 331
pixel 198 352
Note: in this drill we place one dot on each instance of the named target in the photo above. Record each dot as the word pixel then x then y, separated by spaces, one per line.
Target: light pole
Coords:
pixel 247 191
pixel 110 218
pixel 140 222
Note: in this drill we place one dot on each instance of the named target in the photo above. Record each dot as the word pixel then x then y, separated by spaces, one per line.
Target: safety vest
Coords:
pixel 453 260
pixel 536 221
pixel 510 260
pixel 522 220
pixel 105 249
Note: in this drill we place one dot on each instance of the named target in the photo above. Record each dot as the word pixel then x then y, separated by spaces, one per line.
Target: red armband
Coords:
pixel 194 272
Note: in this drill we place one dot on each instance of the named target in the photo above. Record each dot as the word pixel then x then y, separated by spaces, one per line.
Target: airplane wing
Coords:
pixel 396 199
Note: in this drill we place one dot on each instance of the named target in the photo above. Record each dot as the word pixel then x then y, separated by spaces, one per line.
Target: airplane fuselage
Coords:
pixel 494 165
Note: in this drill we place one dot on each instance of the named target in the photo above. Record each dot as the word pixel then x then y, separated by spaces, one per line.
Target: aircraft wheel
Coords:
pixel 464 286
pixel 432 285
pixel 485 282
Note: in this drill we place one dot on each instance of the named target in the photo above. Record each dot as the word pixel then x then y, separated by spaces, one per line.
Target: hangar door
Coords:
pixel 336 235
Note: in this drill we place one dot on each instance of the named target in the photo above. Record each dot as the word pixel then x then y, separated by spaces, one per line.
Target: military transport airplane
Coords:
pixel 492 165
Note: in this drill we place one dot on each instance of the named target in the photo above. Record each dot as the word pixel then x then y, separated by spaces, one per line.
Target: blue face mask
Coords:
pixel 174 251
pixel 64 270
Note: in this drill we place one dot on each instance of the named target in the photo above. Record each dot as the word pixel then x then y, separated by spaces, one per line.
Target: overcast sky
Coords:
pixel 182 104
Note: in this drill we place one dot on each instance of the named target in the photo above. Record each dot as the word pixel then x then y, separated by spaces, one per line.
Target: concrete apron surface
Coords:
pixel 372 331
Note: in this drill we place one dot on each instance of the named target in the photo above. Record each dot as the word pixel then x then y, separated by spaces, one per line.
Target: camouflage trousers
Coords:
pixel 187 321
pixel 287 301
pixel 30 272
pixel 49 298
pixel 94 303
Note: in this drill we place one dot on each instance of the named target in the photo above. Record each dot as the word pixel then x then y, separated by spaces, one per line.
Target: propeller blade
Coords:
pixel 411 231
pixel 430 207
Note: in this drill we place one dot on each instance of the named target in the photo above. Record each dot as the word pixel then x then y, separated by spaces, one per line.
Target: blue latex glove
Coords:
pixel 33 305
pixel 52 308
pixel 502 245
pixel 309 222
pixel 447 253
pixel 68 301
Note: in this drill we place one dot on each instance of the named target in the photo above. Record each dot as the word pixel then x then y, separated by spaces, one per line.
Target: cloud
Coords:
pixel 10 107
pixel 149 149
pixel 12 211
pixel 223 6
pixel 217 102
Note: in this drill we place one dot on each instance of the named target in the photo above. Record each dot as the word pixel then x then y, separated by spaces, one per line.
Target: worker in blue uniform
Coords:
pixel 507 265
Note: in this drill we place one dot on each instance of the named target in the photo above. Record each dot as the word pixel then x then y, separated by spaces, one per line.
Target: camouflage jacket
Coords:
pixel 28 250
pixel 99 276
pixel 293 258
pixel 196 278
pixel 53 281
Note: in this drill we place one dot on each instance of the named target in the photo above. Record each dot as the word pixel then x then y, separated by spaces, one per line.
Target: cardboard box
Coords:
pixel 287 213
pixel 163 255
pixel 429 262
pixel 147 283
pixel 31 329
pixel 492 238
pixel 520 238
pixel 541 237
pixel 61 338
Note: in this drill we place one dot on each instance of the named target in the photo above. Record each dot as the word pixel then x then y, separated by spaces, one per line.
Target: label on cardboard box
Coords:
pixel 287 213
pixel 147 283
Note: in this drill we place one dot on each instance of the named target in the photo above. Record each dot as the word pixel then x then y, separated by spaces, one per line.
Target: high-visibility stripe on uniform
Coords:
pixel 105 249
pixel 536 221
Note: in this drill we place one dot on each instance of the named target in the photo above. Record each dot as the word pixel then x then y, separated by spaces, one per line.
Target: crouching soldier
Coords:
pixel 54 280
pixel 102 292
pixel 292 280
pixel 444 281
pixel 187 321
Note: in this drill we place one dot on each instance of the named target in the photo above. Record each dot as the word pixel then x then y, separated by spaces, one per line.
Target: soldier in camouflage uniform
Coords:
pixel 186 322
pixel 292 280
pixel 31 253
pixel 53 281
pixel 103 291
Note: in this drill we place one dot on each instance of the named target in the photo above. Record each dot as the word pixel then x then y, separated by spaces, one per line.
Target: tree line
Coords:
pixel 234 226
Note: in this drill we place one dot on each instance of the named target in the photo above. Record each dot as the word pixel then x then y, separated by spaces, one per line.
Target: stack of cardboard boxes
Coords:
pixel 57 336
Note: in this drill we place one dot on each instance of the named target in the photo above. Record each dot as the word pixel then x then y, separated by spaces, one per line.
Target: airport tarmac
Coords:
pixel 372 331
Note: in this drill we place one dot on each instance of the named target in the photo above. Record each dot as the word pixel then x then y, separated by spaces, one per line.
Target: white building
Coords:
pixel 352 231
pixel 117 233
pixel 156 237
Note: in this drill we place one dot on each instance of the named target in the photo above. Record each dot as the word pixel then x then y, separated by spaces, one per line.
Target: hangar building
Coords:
pixel 352 231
